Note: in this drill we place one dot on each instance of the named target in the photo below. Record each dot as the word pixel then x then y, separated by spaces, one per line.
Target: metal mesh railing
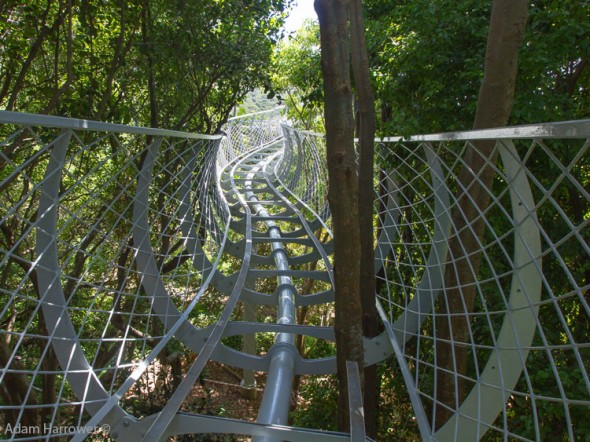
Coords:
pixel 303 169
pixel 247 132
pixel 109 235
pixel 493 332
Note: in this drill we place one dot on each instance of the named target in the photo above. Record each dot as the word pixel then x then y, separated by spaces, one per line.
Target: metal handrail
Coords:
pixel 564 129
pixel 155 197
pixel 26 119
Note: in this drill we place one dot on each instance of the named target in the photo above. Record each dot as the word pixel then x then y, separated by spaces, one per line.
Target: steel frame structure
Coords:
pixel 114 234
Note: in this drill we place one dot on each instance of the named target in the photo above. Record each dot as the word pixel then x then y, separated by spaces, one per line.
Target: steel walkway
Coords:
pixel 114 237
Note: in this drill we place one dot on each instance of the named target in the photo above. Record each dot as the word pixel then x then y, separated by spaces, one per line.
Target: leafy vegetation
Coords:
pixel 256 101
pixel 180 64
pixel 187 65
pixel 297 77
pixel 427 64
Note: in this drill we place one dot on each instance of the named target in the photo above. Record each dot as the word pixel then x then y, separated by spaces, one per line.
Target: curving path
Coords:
pixel 113 234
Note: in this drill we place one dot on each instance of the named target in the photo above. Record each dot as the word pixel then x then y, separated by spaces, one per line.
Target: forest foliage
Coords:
pixel 427 60
pixel 159 63
pixel 186 65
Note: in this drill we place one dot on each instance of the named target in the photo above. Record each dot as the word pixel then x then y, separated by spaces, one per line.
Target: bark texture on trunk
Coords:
pixel 343 189
pixel 366 134
pixel 494 105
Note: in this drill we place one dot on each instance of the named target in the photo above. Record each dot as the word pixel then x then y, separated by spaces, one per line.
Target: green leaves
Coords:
pixel 297 76
pixel 554 77
pixel 428 60
pixel 181 64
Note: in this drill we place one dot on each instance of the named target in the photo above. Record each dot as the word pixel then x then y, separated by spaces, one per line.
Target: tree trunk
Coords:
pixel 17 390
pixel 45 32
pixel 366 134
pixel 494 104
pixel 343 189
pixel 146 24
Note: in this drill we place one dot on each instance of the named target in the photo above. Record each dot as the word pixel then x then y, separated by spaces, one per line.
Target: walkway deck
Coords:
pixel 113 236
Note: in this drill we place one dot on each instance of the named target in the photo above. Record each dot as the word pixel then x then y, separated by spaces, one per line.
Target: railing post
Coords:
pixel 355 403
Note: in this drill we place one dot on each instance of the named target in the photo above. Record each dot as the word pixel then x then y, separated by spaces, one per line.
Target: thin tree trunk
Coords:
pixel 494 105
pixel 366 125
pixel 53 102
pixel 343 189
pixel 18 390
pixel 45 32
pixel 146 23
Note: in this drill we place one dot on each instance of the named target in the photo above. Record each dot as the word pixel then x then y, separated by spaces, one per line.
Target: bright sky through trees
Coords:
pixel 302 11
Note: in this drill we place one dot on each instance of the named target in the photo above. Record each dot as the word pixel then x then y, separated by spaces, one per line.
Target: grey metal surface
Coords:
pixel 355 403
pixel 514 354
pixel 112 235
pixel 276 399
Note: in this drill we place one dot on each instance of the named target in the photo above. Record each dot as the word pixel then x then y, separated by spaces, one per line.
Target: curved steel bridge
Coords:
pixel 116 239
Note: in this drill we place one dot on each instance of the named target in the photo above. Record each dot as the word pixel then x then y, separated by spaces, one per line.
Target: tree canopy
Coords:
pixel 297 76
pixel 179 64
pixel 186 64
pixel 427 60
